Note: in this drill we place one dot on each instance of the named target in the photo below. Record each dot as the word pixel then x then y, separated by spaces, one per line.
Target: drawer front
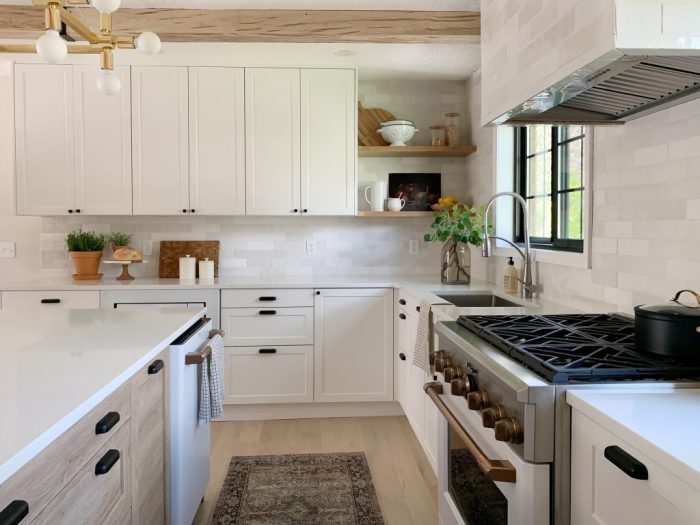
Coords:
pixel 16 300
pixel 90 498
pixel 601 493
pixel 282 376
pixel 43 477
pixel 267 326
pixel 263 298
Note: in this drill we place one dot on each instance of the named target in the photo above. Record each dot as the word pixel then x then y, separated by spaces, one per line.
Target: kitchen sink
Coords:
pixel 477 300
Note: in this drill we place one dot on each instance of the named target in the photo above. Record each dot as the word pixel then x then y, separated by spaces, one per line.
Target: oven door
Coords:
pixel 483 481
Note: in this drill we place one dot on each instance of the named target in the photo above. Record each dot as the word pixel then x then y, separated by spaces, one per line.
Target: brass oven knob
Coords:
pixel 442 362
pixel 510 430
pixel 433 356
pixel 461 386
pixel 453 372
pixel 478 400
pixel 492 414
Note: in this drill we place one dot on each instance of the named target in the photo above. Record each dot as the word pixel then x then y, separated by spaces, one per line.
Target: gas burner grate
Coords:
pixel 568 348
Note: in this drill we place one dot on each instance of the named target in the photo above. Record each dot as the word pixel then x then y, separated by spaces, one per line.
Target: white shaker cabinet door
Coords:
pixel 102 144
pixel 44 139
pixel 217 141
pixel 272 141
pixel 160 140
pixel 353 345
pixel 328 139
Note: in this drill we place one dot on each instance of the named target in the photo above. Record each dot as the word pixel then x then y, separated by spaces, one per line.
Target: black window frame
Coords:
pixel 554 242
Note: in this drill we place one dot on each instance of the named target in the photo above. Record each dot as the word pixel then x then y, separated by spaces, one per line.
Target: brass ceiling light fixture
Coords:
pixel 54 49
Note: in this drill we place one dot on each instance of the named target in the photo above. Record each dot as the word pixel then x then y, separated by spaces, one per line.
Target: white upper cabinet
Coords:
pixel 328 111
pixel 217 141
pixel 354 345
pixel 272 141
pixel 159 120
pixel 44 139
pixel 102 144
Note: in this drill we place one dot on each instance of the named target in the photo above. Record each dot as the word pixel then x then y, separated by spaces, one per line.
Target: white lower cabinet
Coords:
pixel 353 352
pixel 603 494
pixel 283 374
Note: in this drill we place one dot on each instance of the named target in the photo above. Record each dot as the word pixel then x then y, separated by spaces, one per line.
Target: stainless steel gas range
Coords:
pixel 505 437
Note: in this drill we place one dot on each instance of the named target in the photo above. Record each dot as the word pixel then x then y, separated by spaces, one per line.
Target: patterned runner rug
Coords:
pixel 300 489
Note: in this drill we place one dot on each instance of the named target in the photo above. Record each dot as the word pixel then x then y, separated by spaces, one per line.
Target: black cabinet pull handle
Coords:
pixel 50 301
pixel 626 463
pixel 267 312
pixel 402 316
pixel 105 464
pixel 267 298
pixel 70 211
pixel 15 512
pixel 155 367
pixel 267 351
pixel 402 356
pixel 106 424
pixel 417 308
pixel 402 302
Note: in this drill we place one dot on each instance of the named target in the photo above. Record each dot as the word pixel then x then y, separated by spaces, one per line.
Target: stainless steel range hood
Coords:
pixel 612 89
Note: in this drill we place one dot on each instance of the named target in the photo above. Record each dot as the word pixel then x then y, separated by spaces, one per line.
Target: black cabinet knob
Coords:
pixel 184 210
pixel 106 424
pixel 106 463
pixel 77 210
pixel 155 367
pixel 192 210
pixel 417 308
pixel 402 356
pixel 15 512
pixel 295 210
pixel 70 211
pixel 318 292
pixel 305 210
pixel 267 351
pixel 402 302
pixel 402 316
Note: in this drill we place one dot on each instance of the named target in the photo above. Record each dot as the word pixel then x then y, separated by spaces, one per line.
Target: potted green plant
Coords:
pixel 457 229
pixel 85 249
pixel 119 240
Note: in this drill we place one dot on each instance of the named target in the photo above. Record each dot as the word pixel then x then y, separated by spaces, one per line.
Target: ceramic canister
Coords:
pixel 188 268
pixel 206 271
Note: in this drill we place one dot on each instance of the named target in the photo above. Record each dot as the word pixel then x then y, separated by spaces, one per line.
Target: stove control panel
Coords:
pixel 509 430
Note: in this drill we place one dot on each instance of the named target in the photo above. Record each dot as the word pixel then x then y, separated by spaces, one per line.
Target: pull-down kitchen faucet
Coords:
pixel 528 287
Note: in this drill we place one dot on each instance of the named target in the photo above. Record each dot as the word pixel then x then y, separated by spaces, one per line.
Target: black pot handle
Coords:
pixel 695 294
pixel 626 463
pixel 15 512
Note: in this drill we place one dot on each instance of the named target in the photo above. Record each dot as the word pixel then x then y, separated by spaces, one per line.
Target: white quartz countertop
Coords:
pixel 57 365
pixel 664 425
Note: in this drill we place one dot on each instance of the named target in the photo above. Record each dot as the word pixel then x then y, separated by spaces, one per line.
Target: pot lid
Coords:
pixel 675 307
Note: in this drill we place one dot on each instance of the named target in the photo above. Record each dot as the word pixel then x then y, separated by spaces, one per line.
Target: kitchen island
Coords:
pixel 61 368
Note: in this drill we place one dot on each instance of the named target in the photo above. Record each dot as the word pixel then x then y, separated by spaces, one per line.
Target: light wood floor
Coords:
pixel 403 478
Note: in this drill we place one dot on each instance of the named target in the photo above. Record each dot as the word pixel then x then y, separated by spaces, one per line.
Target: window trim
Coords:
pixel 503 164
pixel 552 243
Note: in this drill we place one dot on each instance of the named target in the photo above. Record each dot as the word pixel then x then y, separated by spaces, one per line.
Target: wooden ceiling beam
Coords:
pixel 254 25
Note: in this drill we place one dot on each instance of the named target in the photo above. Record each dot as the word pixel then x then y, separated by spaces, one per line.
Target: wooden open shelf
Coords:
pixel 415 151
pixel 405 214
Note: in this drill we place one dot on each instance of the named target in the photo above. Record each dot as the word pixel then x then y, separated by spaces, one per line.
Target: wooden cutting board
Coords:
pixel 171 251
pixel 368 122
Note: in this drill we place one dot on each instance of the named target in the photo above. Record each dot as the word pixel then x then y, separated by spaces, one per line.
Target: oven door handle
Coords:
pixel 495 469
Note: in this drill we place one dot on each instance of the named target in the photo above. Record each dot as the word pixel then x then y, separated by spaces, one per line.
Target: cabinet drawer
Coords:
pixel 19 300
pixel 96 498
pixel 268 326
pixel 263 298
pixel 602 493
pixel 43 477
pixel 269 374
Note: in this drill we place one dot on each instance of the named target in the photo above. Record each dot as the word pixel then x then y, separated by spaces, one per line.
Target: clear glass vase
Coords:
pixel 456 263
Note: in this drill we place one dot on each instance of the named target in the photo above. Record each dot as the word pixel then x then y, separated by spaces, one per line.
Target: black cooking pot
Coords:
pixel 671 329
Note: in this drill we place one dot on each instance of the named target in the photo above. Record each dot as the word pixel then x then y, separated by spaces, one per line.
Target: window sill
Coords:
pixel 571 259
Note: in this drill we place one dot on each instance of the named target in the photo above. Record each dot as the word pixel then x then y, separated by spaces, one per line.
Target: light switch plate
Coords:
pixel 310 247
pixel 7 250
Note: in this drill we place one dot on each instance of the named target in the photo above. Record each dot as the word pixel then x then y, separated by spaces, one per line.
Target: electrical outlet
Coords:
pixel 310 247
pixel 147 247
pixel 413 247
pixel 7 250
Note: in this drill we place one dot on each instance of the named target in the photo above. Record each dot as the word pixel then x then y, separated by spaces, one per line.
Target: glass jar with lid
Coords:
pixel 452 129
pixel 437 136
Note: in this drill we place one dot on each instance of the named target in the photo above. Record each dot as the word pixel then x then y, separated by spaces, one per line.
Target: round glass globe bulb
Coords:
pixel 108 83
pixel 147 43
pixel 51 47
pixel 106 6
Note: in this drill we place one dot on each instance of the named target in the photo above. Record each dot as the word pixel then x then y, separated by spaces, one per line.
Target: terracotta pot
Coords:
pixel 115 248
pixel 86 263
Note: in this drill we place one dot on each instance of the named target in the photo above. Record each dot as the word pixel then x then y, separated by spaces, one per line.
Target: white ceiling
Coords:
pixel 392 5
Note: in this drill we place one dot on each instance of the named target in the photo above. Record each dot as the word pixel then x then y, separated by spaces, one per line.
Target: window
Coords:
pixel 549 166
